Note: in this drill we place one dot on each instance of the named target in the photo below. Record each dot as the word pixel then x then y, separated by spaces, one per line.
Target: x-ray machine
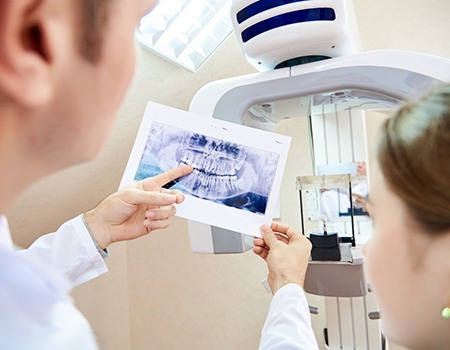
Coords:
pixel 309 52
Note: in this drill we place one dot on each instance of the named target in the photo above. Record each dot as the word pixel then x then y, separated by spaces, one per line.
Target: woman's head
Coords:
pixel 408 259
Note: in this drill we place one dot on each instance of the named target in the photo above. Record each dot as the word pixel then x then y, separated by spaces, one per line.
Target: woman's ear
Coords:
pixel 30 35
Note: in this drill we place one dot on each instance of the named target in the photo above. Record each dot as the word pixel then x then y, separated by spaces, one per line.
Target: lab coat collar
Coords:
pixel 5 235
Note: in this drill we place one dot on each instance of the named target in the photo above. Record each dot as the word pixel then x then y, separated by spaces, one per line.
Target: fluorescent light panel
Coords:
pixel 186 32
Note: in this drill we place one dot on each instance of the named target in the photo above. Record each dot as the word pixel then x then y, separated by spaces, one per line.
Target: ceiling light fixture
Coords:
pixel 186 32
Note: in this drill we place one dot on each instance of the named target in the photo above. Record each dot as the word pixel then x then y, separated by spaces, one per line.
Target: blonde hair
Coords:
pixel 414 156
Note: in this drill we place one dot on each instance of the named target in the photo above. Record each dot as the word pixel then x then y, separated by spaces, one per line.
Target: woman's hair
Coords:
pixel 414 157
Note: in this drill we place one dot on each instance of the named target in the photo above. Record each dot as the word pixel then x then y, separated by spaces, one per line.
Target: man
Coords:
pixel 65 67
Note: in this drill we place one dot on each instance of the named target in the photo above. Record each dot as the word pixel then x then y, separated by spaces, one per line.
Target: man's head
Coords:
pixel 65 67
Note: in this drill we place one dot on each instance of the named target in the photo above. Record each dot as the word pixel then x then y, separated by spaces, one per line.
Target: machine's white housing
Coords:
pixel 304 34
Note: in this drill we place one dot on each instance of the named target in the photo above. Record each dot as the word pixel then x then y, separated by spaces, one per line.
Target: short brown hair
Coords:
pixel 93 20
pixel 414 156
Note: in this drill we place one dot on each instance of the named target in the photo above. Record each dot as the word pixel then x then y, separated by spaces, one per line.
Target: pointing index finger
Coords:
pixel 172 174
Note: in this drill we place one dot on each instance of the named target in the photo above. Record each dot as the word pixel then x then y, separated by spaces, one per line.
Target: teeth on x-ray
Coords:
pixel 216 166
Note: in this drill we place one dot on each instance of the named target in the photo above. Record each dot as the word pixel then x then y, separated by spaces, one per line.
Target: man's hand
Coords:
pixel 286 253
pixel 136 210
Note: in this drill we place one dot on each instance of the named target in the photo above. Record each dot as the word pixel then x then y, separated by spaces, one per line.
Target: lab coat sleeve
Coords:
pixel 288 323
pixel 71 250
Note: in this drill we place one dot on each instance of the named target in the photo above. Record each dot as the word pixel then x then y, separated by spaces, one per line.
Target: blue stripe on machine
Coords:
pixel 309 15
pixel 261 6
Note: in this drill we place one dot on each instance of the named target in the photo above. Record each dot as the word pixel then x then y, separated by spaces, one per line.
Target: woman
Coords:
pixel 408 258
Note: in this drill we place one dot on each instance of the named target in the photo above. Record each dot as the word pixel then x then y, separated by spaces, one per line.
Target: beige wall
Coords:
pixel 158 294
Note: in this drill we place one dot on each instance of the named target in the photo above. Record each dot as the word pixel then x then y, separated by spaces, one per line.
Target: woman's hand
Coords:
pixel 286 253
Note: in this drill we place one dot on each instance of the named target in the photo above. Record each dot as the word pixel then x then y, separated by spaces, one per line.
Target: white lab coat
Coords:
pixel 288 323
pixel 36 310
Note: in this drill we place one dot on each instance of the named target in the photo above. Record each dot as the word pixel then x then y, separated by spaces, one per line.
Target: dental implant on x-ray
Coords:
pixel 224 172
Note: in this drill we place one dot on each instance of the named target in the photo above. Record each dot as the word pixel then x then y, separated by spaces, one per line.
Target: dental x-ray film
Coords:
pixel 237 169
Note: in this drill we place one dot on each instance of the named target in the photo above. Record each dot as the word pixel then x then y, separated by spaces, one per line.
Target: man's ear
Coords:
pixel 29 36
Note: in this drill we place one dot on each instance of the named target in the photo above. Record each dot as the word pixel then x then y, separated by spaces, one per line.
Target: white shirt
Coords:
pixel 36 310
pixel 288 323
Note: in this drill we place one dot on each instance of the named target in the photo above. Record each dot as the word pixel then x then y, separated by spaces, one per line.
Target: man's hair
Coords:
pixel 93 18
pixel 414 155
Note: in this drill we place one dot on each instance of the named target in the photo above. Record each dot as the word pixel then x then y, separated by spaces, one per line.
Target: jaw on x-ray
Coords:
pixel 224 172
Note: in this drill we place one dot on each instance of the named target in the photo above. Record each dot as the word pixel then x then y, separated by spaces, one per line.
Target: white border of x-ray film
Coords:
pixel 198 209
